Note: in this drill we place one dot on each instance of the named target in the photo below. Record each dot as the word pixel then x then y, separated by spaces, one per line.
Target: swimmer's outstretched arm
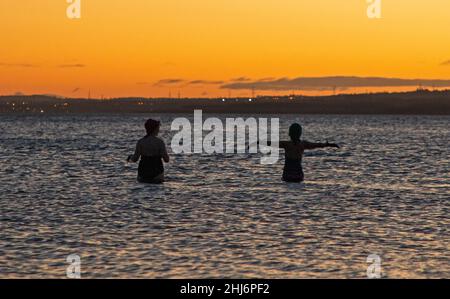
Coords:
pixel 307 145
pixel 281 144
pixel 312 145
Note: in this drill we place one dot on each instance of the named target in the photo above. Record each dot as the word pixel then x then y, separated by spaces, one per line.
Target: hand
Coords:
pixel 332 145
pixel 129 158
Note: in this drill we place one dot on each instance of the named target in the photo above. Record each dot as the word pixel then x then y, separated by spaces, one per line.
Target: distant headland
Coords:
pixel 420 102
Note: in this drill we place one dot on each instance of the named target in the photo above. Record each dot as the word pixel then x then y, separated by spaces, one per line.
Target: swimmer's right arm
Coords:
pixel 166 157
pixel 135 157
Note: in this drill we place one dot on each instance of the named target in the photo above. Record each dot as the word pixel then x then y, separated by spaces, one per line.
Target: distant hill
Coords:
pixel 420 102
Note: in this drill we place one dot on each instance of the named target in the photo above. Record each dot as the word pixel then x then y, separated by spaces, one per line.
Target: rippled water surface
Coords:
pixel 65 189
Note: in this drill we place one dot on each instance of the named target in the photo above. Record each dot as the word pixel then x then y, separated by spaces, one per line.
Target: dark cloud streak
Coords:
pixel 205 82
pixel 24 65
pixel 241 79
pixel 163 82
pixel 330 83
pixel 76 65
pixel 175 81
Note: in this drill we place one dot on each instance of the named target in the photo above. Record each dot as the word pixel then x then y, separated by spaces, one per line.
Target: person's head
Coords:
pixel 295 132
pixel 152 127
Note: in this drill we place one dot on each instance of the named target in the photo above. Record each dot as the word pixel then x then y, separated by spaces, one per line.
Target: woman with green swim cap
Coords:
pixel 294 149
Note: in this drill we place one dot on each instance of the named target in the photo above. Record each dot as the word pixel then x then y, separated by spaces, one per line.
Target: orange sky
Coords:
pixel 123 47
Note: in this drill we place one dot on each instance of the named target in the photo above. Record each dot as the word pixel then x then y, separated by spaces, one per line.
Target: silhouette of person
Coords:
pixel 294 149
pixel 152 152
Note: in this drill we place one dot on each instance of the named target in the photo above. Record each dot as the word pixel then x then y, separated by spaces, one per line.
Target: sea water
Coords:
pixel 66 189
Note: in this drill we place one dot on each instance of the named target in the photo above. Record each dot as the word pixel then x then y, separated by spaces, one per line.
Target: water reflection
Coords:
pixel 65 188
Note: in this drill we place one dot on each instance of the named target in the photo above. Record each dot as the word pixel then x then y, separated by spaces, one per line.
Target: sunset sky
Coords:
pixel 206 48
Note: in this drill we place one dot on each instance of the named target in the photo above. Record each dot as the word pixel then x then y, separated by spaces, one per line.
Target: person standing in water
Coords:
pixel 294 149
pixel 152 152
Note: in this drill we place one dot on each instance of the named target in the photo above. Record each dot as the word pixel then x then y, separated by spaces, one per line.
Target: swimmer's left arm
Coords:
pixel 335 145
pixel 165 155
pixel 163 152
pixel 311 145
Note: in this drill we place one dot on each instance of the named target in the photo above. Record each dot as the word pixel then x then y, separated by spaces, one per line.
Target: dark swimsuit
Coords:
pixel 293 171
pixel 149 169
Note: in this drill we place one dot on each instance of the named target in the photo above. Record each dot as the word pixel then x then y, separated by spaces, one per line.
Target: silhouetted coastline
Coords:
pixel 420 102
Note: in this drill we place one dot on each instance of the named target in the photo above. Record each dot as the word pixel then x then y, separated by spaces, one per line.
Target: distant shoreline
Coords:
pixel 420 102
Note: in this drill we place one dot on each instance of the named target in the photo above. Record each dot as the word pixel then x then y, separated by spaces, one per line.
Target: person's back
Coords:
pixel 293 171
pixel 151 146
pixel 151 151
pixel 294 149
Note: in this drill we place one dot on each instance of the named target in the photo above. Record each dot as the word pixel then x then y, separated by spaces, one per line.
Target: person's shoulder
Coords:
pixel 141 140
pixel 159 140
pixel 306 144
